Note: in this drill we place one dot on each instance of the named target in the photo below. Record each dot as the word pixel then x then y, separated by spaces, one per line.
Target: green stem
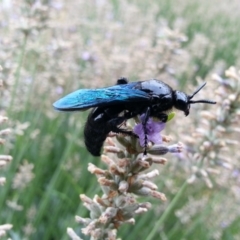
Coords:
pixel 167 211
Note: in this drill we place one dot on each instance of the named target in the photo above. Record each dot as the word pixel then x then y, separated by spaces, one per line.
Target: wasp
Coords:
pixel 116 104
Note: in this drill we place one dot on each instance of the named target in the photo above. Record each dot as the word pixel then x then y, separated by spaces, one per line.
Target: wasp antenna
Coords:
pixel 203 101
pixel 199 88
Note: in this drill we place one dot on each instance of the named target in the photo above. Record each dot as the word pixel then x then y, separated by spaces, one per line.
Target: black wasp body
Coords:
pixel 114 105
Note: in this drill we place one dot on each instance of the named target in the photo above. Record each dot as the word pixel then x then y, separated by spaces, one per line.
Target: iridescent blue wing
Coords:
pixel 87 98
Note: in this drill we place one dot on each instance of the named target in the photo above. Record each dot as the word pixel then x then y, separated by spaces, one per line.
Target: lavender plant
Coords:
pixel 208 144
pixel 208 154
pixel 4 160
pixel 128 175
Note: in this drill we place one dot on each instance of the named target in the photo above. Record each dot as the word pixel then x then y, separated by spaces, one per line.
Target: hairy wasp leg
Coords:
pixel 144 123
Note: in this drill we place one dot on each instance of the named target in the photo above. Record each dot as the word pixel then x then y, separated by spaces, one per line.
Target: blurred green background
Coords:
pixel 50 48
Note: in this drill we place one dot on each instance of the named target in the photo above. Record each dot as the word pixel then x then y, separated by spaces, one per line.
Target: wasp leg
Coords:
pixel 162 117
pixel 122 80
pixel 114 123
pixel 144 123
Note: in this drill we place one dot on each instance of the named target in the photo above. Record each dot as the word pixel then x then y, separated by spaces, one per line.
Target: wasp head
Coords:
pixel 184 101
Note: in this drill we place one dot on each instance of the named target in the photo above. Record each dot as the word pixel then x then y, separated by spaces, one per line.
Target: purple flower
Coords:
pixel 153 131
pixel 86 56
pixel 59 90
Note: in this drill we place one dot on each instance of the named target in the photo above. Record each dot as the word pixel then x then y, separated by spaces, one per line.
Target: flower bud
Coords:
pixel 123 186
pixel 95 170
pixel 150 185
pixel 72 234
pixel 109 213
